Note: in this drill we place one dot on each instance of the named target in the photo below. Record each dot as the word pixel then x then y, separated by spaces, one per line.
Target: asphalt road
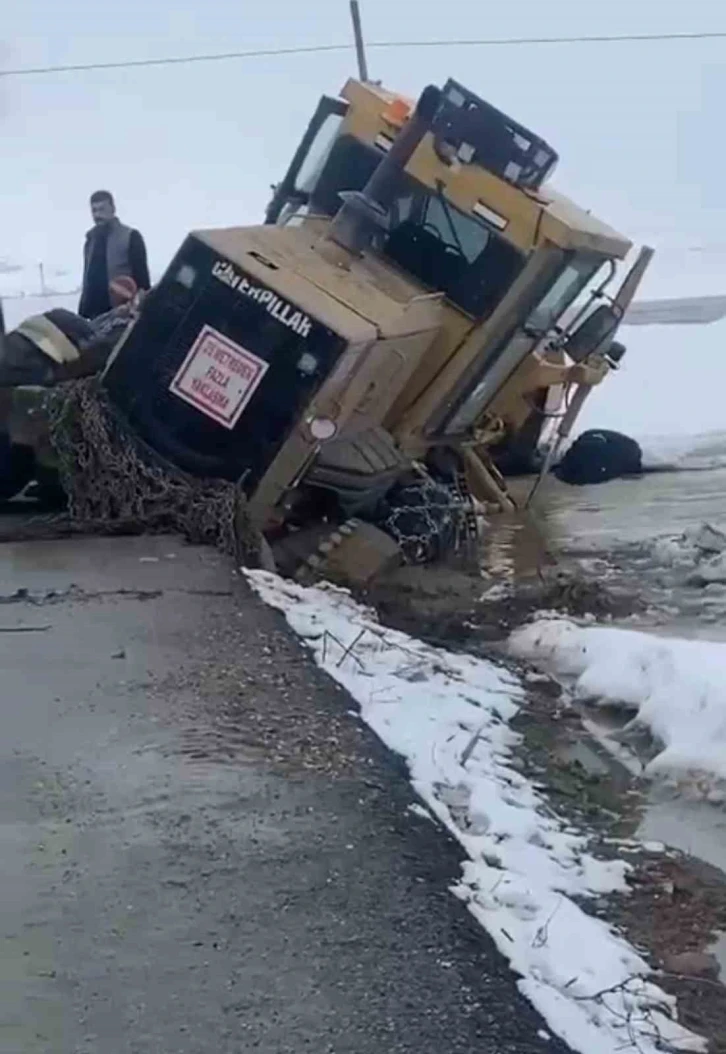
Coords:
pixel 201 847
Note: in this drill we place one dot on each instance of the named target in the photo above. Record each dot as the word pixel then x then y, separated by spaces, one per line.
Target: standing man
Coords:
pixel 112 250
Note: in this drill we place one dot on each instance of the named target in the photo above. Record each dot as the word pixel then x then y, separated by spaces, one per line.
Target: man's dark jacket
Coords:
pixel 111 249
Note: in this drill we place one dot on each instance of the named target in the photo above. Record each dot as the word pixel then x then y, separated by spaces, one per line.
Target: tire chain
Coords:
pixel 114 485
pixel 430 518
pixel 470 528
pixel 460 527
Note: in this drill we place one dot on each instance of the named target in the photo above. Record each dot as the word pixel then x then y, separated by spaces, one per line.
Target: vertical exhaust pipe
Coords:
pixel 363 213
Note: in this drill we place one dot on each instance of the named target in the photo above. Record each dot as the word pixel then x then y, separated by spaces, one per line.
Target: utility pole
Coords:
pixel 360 48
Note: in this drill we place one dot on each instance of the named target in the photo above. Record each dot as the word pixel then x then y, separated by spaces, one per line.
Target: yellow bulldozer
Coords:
pixel 366 364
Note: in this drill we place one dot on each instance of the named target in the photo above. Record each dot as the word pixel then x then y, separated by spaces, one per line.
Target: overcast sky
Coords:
pixel 639 126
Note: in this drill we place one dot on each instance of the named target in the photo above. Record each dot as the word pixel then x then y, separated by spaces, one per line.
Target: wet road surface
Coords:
pixel 201 848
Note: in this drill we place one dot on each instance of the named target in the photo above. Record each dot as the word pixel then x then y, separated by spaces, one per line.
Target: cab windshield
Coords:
pixel 443 248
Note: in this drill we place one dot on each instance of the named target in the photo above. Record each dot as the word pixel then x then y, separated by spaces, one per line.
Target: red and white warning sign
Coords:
pixel 218 377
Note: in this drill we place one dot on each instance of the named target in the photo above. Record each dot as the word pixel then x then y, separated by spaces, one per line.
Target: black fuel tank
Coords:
pixel 218 369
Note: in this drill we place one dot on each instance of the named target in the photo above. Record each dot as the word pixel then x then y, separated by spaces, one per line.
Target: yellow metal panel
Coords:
pixel 339 297
pixel 570 227
pixel 370 95
pixel 468 184
pixel 455 328
pixel 531 217
pixel 474 349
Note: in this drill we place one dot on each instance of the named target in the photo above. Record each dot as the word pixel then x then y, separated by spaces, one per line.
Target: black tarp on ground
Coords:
pixel 599 455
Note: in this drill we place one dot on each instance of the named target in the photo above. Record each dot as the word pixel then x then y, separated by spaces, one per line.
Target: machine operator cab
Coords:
pixel 471 218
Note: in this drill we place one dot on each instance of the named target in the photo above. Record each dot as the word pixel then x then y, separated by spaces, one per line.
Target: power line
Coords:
pixel 316 49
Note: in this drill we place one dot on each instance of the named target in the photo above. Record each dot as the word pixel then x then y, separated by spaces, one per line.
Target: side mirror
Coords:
pixel 593 333
pixel 615 353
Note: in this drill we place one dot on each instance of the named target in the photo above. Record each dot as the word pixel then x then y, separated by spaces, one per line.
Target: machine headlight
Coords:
pixel 322 428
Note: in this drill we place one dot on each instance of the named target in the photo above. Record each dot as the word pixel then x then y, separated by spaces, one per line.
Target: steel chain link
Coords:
pixel 115 485
pixel 429 519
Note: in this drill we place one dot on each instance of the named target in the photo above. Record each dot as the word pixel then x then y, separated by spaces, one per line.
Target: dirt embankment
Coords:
pixel 677 904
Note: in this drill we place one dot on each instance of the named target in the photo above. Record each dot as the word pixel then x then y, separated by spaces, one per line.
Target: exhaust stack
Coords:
pixel 364 212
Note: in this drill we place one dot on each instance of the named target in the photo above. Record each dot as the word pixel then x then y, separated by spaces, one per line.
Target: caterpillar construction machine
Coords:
pixel 365 362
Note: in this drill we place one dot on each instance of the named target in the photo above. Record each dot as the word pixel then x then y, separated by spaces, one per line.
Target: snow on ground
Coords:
pixel 18 308
pixel 675 688
pixel 682 369
pixel 684 452
pixel 448 715
pixel 699 553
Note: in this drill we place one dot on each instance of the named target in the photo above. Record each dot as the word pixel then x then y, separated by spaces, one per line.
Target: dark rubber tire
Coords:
pixel 420 515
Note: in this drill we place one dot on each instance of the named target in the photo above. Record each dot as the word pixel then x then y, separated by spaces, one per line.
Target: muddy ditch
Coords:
pixel 676 907
pixel 457 605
